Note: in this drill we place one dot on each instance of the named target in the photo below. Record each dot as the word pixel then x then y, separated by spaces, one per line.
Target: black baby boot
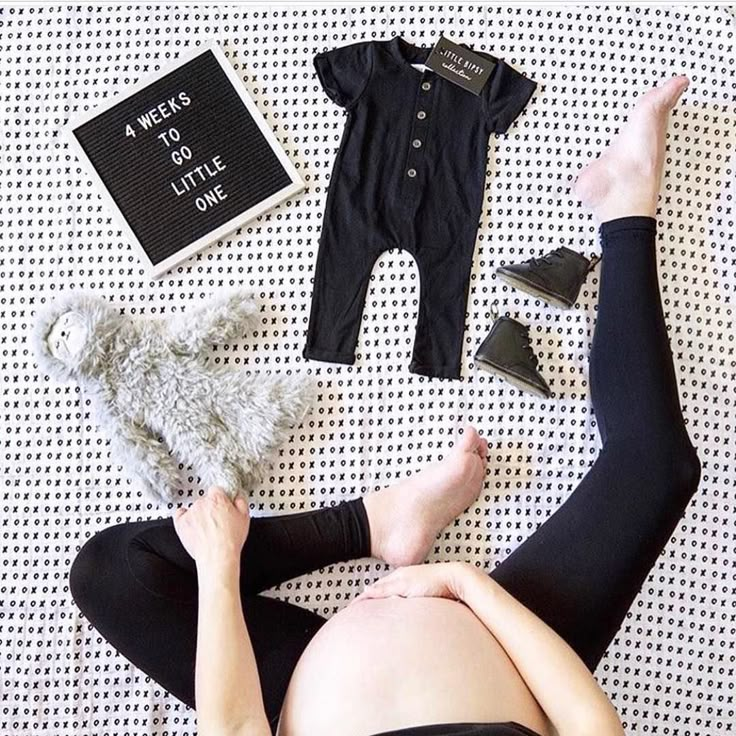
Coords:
pixel 507 353
pixel 555 277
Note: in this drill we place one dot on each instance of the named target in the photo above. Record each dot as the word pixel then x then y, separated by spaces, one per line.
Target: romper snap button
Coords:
pixel 412 173
pixel 416 143
pixel 426 86
pixel 421 115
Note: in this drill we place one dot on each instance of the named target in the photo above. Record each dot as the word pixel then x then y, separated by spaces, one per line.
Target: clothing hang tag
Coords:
pixel 460 65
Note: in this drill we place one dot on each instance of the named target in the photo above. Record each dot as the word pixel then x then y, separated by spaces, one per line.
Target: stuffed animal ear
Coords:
pixel 96 315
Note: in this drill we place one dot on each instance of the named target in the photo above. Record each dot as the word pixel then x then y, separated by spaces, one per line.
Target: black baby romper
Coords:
pixel 409 174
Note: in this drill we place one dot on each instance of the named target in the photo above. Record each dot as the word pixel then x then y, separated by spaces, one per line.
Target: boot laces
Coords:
pixel 526 345
pixel 546 258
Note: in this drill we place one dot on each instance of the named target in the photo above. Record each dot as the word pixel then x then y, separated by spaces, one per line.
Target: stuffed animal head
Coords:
pixel 66 339
pixel 72 335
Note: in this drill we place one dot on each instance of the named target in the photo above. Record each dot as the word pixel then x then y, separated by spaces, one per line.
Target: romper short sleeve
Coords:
pixel 507 95
pixel 344 72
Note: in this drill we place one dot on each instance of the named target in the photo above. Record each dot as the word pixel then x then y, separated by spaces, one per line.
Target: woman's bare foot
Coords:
pixel 406 518
pixel 625 180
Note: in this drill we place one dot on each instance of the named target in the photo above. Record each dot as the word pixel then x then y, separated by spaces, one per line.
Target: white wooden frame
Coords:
pixel 296 184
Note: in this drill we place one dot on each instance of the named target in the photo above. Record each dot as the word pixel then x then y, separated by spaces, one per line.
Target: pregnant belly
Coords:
pixel 386 664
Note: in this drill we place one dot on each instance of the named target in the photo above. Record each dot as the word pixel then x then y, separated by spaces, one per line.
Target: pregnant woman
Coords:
pixel 435 649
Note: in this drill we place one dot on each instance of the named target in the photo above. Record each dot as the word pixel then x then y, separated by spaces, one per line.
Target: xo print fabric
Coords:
pixel 672 668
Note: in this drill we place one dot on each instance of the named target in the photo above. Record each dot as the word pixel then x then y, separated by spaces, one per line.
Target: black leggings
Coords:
pixel 579 572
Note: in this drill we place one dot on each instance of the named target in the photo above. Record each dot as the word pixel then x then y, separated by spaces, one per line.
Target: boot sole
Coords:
pixel 511 378
pixel 533 289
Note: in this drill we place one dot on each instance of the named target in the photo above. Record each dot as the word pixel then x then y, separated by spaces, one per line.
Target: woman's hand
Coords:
pixel 438 580
pixel 226 684
pixel 213 529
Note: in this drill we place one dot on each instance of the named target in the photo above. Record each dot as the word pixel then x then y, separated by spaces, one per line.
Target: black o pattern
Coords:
pixel 670 671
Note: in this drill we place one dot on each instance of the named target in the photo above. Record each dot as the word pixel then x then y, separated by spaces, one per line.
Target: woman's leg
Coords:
pixel 398 524
pixel 581 570
pixel 278 548
pixel 137 585
pixel 146 606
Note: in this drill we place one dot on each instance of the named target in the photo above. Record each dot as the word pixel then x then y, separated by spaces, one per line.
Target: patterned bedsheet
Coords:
pixel 671 670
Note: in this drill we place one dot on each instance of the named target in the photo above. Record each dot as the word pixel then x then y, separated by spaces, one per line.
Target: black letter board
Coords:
pixel 183 158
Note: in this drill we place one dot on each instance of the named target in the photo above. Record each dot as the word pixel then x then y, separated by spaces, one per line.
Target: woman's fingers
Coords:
pixel 241 505
pixel 385 587
pixel 372 591
pixel 384 592
pixel 178 524
pixel 216 493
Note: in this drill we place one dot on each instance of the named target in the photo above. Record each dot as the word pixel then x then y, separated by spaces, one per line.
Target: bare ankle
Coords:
pixel 375 523
pixel 617 211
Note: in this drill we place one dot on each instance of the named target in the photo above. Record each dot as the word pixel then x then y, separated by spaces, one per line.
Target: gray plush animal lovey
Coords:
pixel 147 379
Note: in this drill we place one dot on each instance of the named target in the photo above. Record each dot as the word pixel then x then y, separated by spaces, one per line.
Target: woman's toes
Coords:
pixel 665 96
pixel 468 440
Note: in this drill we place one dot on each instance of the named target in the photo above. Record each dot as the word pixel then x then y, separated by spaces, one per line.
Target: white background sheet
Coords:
pixel 671 669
